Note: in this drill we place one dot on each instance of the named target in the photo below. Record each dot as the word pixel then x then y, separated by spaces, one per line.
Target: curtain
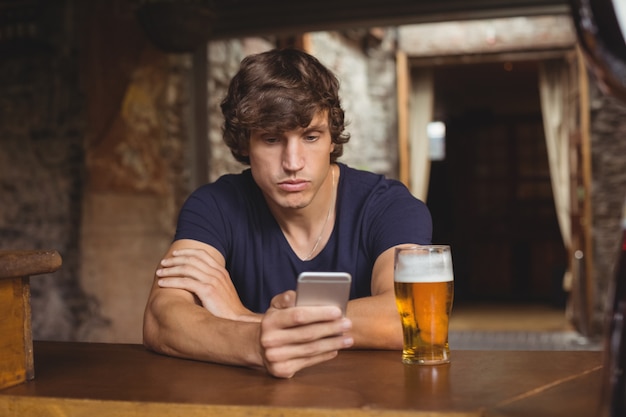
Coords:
pixel 422 102
pixel 554 90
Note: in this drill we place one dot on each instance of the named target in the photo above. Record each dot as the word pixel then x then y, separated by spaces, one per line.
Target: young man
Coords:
pixel 224 290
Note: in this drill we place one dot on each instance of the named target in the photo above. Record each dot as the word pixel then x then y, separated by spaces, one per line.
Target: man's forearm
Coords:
pixel 179 328
pixel 375 322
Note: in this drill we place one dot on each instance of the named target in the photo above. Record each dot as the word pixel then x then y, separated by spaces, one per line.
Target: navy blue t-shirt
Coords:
pixel 372 214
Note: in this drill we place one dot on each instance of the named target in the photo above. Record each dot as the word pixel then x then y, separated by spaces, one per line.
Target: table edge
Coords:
pixel 17 405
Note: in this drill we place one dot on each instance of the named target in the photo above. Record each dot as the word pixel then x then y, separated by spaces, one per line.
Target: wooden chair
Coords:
pixel 16 339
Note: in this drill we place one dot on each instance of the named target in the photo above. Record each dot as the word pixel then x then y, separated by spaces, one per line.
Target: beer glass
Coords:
pixel 424 288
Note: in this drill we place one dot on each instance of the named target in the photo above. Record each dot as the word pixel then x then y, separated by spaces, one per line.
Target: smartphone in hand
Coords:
pixel 323 289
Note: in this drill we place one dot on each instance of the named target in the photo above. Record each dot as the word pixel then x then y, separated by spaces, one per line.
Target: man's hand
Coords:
pixel 293 338
pixel 289 338
pixel 198 272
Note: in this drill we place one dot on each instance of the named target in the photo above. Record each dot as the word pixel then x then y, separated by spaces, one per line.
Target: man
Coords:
pixel 224 290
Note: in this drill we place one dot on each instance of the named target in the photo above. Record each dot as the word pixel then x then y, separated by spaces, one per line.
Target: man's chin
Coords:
pixel 295 203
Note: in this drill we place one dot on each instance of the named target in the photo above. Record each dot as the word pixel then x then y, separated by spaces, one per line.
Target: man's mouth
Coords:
pixel 293 185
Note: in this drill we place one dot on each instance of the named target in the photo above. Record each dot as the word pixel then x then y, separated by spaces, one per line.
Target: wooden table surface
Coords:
pixel 90 379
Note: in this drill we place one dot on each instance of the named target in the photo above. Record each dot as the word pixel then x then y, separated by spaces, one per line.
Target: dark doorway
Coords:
pixel 491 198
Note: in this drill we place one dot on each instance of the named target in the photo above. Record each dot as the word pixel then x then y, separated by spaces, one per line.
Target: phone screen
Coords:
pixel 324 288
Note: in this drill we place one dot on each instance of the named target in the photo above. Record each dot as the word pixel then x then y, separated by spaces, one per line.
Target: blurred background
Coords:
pixel 109 118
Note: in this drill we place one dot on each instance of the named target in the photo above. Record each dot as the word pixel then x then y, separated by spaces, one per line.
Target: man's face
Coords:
pixel 290 167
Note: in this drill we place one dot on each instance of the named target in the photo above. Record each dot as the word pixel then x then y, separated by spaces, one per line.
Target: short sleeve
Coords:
pixel 395 217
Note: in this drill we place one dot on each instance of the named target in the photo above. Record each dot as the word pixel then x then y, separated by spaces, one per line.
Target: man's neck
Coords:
pixel 309 228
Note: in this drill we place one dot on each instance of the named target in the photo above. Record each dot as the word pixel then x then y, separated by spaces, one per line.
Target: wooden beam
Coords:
pixel 200 126
pixel 403 88
pixel 488 36
pixel 253 17
pixel 182 26
pixel 585 155
pixel 19 263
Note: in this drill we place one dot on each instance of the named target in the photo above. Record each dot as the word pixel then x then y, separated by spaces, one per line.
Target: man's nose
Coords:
pixel 293 155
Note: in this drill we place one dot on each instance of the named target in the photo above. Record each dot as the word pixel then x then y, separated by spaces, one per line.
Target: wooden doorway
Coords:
pixel 491 198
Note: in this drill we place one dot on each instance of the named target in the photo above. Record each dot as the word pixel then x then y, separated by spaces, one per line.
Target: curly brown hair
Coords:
pixel 281 90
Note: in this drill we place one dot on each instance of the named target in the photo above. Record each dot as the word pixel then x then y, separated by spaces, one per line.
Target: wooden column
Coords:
pixel 403 87
pixel 16 340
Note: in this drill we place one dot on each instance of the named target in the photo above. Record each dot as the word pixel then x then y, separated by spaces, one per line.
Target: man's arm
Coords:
pixel 375 320
pixel 193 311
pixel 177 324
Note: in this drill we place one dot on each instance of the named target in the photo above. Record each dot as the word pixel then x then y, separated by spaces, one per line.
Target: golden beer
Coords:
pixel 424 290
pixel 424 309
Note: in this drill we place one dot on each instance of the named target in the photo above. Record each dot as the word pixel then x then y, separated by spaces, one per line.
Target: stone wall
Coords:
pixel 224 58
pixel 42 128
pixel 608 193
pixel 368 89
pixel 92 136
pixel 137 180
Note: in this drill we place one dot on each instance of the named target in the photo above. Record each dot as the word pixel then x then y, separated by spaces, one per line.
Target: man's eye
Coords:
pixel 311 138
pixel 270 140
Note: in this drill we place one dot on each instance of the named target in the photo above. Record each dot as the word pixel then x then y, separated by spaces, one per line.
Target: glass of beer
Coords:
pixel 424 288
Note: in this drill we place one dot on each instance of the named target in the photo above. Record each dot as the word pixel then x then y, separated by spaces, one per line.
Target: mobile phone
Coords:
pixel 323 289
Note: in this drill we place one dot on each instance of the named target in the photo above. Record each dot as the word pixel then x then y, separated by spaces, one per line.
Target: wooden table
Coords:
pixel 89 379
pixel 16 337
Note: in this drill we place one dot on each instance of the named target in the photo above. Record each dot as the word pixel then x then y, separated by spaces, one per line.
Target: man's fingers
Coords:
pixel 188 284
pixel 178 271
pixel 298 333
pixel 200 259
pixel 190 267
pixel 288 318
pixel 285 361
pixel 284 300
pixel 199 254
pixel 287 369
pixel 330 343
pixel 184 261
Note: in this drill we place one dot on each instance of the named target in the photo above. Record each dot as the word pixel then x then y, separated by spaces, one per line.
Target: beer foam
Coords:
pixel 431 268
